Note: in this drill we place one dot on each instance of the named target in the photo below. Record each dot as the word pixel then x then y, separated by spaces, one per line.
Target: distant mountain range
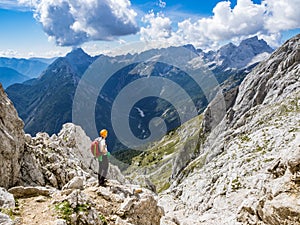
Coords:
pixel 10 76
pixel 45 103
pixel 230 56
pixel 15 70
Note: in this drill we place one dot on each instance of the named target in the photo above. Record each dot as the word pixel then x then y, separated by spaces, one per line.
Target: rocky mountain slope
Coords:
pixel 52 180
pixel 248 168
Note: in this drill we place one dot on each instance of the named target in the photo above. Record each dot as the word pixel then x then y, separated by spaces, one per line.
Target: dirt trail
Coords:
pixel 36 210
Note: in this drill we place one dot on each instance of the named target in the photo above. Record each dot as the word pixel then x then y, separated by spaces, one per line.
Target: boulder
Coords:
pixel 25 192
pixel 6 199
pixel 75 183
pixel 5 220
pixel 283 209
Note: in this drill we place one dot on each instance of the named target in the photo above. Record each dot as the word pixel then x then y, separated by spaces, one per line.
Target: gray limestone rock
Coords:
pixel 75 183
pixel 12 142
pixel 6 199
pixel 5 220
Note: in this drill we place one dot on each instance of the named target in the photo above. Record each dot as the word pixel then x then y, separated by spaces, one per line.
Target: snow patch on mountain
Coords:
pixel 259 58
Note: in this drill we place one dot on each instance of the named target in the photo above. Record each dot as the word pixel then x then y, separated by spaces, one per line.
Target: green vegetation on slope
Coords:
pixel 159 159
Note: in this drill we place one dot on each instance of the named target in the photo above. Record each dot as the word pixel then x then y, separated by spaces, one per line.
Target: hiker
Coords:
pixel 103 159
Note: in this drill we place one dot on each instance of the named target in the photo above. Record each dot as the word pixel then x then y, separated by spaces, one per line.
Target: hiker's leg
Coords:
pixel 104 166
pixel 100 169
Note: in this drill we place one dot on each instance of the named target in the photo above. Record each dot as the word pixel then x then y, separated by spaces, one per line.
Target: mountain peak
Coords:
pixel 227 49
pixel 190 47
pixel 251 39
pixel 241 56
pixel 258 45
pixel 79 60
pixel 77 52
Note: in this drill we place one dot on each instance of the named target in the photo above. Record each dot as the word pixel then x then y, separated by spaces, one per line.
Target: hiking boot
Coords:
pixel 102 182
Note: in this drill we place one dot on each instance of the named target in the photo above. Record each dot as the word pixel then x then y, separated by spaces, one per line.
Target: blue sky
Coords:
pixel 48 28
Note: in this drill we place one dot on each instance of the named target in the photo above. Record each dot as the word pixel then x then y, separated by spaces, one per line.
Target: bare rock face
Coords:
pixel 12 142
pixel 272 80
pixel 216 110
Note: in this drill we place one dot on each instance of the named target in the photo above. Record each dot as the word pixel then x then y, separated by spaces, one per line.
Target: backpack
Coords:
pixel 95 148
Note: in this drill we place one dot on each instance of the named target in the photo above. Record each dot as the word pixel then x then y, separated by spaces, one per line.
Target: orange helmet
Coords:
pixel 103 133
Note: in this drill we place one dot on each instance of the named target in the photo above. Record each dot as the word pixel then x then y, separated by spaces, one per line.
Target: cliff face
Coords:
pixel 248 170
pixel 12 142
pixel 273 80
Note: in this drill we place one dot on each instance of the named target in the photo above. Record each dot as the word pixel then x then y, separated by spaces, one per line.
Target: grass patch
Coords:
pixel 268 160
pixel 258 148
pixel 8 211
pixel 164 187
pixel 236 184
pixel 65 210
pixel 155 154
pixel 245 138
pixel 103 219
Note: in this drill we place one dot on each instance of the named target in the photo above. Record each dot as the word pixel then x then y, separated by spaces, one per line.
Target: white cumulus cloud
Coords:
pixel 282 15
pixel 73 22
pixel 158 28
pixel 228 23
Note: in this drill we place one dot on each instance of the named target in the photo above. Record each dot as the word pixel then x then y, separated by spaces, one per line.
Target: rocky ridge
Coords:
pixel 248 169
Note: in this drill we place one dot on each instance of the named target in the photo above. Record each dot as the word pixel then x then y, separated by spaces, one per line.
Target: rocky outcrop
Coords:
pixel 56 160
pixel 12 142
pixel 6 199
pixel 5 220
pixel 7 202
